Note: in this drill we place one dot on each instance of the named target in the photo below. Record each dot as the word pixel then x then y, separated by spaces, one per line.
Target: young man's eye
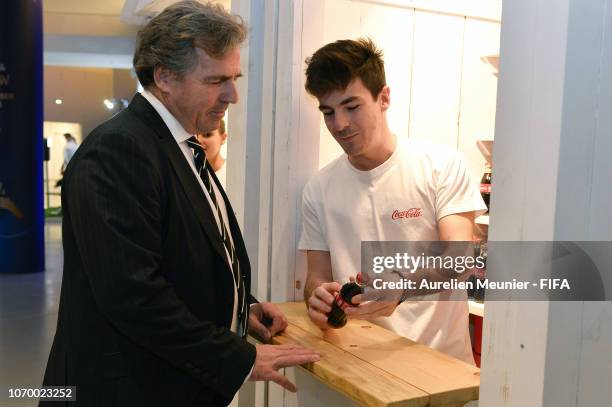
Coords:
pixel 352 107
pixel 327 112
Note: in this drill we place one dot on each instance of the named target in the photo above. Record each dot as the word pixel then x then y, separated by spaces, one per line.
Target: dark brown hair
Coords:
pixel 334 66
pixel 171 37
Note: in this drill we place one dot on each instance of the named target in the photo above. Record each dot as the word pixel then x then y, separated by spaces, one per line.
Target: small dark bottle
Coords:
pixel 485 185
pixel 336 318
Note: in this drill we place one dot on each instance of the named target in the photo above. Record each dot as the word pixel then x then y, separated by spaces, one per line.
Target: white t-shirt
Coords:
pixel 343 206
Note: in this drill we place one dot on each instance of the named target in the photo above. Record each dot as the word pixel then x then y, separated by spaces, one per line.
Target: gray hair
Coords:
pixel 170 38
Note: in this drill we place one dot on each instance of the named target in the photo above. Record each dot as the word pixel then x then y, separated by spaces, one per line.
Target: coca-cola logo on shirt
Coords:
pixel 408 213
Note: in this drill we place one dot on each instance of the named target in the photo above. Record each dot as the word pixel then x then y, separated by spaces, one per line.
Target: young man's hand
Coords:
pixel 367 308
pixel 370 309
pixel 320 303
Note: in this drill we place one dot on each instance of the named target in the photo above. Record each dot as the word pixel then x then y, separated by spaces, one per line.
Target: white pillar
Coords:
pixel 270 155
pixel 552 180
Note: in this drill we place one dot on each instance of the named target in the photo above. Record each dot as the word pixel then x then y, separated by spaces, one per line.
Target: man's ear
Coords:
pixel 163 77
pixel 223 138
pixel 385 98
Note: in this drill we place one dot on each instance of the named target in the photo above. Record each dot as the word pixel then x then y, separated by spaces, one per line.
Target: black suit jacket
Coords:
pixel 147 292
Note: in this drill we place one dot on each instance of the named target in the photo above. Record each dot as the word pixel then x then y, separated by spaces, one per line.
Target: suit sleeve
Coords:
pixel 114 198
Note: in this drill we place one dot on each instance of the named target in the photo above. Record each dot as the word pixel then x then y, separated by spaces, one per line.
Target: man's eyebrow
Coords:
pixel 222 77
pixel 344 102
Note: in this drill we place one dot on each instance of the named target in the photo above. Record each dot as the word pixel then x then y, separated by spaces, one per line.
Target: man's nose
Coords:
pixel 340 122
pixel 230 92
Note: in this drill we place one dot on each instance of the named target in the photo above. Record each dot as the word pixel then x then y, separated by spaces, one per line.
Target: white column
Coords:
pixel 552 181
pixel 270 155
pixel 250 159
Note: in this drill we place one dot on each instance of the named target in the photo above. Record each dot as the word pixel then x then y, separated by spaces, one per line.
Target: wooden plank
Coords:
pixel 447 380
pixel 357 379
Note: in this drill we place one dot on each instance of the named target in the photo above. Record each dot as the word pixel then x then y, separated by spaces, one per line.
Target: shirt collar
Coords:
pixel 176 129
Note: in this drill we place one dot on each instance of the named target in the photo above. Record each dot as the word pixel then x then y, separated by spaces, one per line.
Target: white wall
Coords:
pixel 553 176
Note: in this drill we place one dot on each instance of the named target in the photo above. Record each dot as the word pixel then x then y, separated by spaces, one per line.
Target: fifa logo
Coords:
pixel 7 203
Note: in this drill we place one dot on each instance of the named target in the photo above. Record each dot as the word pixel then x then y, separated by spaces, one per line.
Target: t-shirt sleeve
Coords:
pixel 313 236
pixel 457 191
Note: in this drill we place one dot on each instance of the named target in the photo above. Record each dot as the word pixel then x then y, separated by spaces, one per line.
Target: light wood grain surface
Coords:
pixel 376 367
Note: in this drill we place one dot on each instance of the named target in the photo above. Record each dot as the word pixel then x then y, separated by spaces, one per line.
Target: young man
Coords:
pixel 211 142
pixel 155 300
pixel 354 199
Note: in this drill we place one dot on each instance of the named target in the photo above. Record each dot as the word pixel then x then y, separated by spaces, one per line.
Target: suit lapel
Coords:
pixel 196 196
pixel 185 175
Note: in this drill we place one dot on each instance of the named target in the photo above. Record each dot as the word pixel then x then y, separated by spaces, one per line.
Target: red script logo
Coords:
pixel 410 213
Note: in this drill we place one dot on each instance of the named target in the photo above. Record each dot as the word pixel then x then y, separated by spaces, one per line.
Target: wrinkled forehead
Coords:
pixel 226 65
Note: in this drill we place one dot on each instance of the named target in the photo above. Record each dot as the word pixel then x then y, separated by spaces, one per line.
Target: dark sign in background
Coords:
pixel 21 149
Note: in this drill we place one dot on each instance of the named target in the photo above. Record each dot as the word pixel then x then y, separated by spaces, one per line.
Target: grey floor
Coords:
pixel 28 314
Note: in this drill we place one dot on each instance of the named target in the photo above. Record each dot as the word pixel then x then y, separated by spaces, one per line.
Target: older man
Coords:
pixel 156 288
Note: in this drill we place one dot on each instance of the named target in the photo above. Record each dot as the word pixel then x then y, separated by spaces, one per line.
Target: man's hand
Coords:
pixel 320 303
pixel 266 320
pixel 270 358
pixel 370 309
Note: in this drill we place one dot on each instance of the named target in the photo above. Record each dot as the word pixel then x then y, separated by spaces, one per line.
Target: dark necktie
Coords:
pixel 203 168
